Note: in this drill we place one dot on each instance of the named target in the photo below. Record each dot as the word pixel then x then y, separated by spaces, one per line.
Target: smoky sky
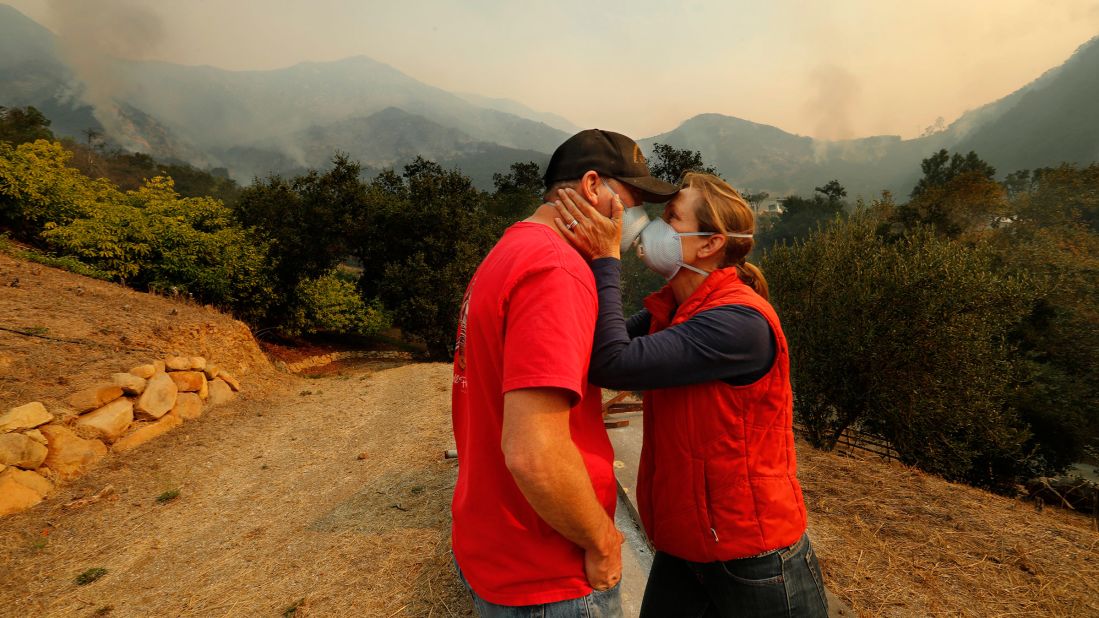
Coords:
pixel 833 70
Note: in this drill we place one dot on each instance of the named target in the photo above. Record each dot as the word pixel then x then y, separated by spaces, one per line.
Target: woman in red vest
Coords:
pixel 717 486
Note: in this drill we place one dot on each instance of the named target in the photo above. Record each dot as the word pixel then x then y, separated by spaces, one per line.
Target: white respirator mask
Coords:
pixel 660 248
pixel 662 251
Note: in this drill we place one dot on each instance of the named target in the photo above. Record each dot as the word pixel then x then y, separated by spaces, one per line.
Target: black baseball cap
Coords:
pixel 611 154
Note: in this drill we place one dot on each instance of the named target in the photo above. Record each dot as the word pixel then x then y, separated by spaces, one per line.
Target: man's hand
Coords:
pixel 603 566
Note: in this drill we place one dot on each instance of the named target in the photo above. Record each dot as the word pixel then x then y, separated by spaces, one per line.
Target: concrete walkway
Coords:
pixel 637 555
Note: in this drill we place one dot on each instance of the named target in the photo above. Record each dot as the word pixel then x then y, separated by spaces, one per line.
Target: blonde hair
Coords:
pixel 724 211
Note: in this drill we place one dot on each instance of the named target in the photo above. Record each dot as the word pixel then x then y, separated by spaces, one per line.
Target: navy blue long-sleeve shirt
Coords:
pixel 733 343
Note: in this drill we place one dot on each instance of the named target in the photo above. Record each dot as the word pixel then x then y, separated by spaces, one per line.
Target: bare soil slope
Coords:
pixel 60 332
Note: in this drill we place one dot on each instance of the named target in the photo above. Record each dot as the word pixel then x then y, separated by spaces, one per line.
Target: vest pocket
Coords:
pixel 704 501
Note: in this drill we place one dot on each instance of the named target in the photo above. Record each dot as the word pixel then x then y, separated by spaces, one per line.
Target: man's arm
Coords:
pixel 547 467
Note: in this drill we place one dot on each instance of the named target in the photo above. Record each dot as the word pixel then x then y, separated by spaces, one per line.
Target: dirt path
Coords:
pixel 275 510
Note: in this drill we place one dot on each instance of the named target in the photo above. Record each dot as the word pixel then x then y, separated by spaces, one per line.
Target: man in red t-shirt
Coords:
pixel 533 509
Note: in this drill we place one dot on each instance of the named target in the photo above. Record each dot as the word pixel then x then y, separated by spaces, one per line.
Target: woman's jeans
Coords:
pixel 783 583
pixel 598 604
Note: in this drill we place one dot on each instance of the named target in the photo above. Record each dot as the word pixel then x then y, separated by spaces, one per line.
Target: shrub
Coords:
pixel 332 304
pixel 905 339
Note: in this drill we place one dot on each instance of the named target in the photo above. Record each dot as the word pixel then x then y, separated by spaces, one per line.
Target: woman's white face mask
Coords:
pixel 660 248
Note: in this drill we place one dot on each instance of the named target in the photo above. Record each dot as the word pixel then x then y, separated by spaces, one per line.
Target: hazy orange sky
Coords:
pixel 828 69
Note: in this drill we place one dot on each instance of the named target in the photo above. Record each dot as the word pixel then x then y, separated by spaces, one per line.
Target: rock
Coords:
pixel 22 451
pixel 95 397
pixel 15 496
pixel 198 363
pixel 211 371
pixel 188 381
pixel 178 363
pixel 159 397
pixel 144 371
pixel 35 435
pixel 230 380
pixel 158 366
pixel 130 384
pixel 70 455
pixel 47 474
pixel 148 432
pixel 220 393
pixel 188 406
pixel 26 416
pixel 29 479
pixel 204 392
pixel 110 421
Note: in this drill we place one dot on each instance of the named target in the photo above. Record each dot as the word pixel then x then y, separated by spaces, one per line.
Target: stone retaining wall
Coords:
pixel 39 449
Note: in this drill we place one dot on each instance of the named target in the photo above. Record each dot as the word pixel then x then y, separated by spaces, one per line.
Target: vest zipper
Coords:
pixel 715 535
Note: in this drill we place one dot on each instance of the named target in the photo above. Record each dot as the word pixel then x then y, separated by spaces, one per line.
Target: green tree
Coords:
pixel 833 191
pixel 517 193
pixel 967 203
pixel 38 189
pixel 801 215
pixel 19 125
pixel 430 230
pixel 1054 238
pixel 940 168
pixel 756 199
pixel 670 164
pixel 305 221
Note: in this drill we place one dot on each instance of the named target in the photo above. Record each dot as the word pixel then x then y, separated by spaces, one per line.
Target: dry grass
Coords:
pixel 275 512
pixel 897 542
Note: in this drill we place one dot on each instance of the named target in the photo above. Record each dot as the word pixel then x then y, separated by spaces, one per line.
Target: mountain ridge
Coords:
pixel 286 119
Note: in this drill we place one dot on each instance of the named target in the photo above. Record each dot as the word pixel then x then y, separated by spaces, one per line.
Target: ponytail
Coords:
pixel 753 277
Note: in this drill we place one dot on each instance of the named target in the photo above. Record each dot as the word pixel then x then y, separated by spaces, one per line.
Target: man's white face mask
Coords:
pixel 633 221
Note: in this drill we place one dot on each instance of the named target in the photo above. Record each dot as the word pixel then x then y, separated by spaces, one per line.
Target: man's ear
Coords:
pixel 589 187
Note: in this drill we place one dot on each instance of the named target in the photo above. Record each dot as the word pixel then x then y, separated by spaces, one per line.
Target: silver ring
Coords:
pixel 575 222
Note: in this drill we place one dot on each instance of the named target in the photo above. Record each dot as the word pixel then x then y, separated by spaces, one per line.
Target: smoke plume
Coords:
pixel 96 34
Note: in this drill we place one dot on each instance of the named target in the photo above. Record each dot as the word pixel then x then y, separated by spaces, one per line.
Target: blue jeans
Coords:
pixel 598 604
pixel 785 583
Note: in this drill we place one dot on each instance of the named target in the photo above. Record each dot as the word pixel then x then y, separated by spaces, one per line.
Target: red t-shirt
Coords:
pixel 527 321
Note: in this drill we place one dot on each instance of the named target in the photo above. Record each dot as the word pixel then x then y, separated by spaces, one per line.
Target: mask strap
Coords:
pixel 737 235
pixel 704 273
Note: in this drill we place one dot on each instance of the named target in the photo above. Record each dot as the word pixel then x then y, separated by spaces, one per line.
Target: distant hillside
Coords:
pixel 286 120
pixel 218 107
pixel 761 157
pixel 273 120
pixel 518 109
pixel 1050 120
pixel 32 73
pixel 1054 120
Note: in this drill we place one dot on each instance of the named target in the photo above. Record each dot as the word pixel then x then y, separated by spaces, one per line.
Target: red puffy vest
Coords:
pixel 718 473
